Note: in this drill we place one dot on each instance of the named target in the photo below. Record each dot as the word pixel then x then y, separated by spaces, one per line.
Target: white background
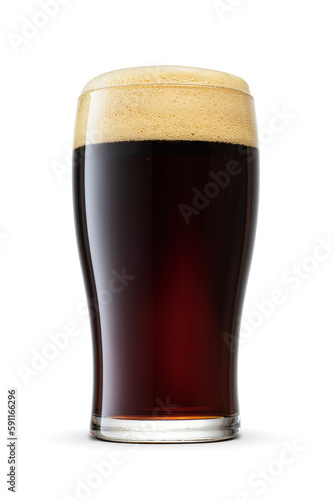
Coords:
pixel 284 51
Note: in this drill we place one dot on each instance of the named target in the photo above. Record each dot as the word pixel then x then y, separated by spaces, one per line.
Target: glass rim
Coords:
pixel 162 84
pixel 166 76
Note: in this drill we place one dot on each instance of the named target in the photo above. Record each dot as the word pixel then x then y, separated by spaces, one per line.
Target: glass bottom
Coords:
pixel 181 430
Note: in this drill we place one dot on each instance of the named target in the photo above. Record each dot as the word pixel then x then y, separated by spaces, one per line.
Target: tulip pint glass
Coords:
pixel 165 184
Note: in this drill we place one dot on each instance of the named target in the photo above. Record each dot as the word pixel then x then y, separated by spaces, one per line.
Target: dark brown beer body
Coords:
pixel 165 232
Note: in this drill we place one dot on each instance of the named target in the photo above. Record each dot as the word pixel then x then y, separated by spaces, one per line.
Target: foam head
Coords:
pixel 166 103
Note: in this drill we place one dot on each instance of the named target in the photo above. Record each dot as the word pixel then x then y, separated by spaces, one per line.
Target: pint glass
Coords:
pixel 165 185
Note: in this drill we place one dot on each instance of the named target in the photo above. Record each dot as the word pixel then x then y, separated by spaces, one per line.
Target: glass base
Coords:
pixel 181 430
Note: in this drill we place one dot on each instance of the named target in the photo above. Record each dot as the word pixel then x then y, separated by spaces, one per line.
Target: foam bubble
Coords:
pixel 166 103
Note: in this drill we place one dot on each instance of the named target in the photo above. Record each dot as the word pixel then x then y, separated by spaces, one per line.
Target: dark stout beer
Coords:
pixel 165 230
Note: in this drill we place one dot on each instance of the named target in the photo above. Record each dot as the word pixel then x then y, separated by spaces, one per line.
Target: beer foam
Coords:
pixel 166 103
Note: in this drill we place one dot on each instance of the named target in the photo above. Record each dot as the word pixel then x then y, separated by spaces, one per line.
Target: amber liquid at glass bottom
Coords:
pixel 165 232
